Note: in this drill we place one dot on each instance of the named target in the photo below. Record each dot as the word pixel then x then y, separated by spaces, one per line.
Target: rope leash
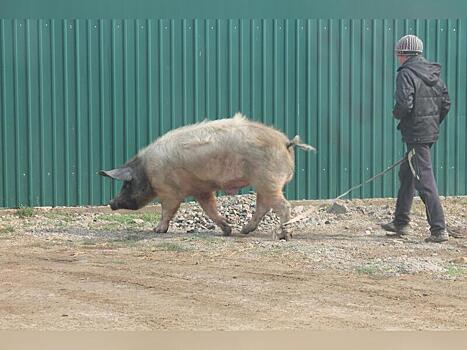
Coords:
pixel 400 161
pixel 410 155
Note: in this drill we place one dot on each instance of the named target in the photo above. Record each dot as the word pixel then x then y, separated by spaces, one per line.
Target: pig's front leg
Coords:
pixel 169 208
pixel 208 203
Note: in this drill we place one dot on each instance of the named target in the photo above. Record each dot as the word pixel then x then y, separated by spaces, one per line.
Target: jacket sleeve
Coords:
pixel 405 92
pixel 445 104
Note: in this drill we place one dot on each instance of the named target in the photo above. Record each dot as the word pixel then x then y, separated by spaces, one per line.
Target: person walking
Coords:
pixel 422 103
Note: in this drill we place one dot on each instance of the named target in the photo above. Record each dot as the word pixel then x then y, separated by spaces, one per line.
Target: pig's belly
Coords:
pixel 232 187
pixel 217 172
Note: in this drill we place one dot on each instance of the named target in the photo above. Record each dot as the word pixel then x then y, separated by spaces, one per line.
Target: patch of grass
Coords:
pixel 96 244
pixel 152 218
pixel 455 271
pixel 368 269
pixel 128 219
pixel 59 215
pixel 170 247
pixel 106 227
pixel 88 242
pixel 46 245
pixel 7 229
pixel 402 269
pixel 25 212
pixel 130 238
pixel 119 219
pixel 205 238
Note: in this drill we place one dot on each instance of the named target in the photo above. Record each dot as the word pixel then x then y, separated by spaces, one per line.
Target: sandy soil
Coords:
pixel 87 268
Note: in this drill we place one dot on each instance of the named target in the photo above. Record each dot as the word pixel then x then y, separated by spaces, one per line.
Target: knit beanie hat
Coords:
pixel 409 45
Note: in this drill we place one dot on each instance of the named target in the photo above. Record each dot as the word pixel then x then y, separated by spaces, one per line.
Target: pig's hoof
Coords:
pixel 226 230
pixel 285 236
pixel 246 230
pixel 161 229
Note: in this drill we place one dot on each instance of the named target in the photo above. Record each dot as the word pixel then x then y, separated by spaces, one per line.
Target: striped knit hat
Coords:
pixel 409 45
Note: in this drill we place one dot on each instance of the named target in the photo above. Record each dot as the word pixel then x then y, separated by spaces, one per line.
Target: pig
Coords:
pixel 198 160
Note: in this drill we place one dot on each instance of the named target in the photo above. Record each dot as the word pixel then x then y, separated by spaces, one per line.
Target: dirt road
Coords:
pixel 91 269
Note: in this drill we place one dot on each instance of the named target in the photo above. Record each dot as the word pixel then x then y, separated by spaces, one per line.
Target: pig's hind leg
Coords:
pixel 282 208
pixel 267 198
pixel 263 205
pixel 207 201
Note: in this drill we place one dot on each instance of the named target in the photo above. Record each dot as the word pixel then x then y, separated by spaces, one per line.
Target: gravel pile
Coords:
pixel 239 209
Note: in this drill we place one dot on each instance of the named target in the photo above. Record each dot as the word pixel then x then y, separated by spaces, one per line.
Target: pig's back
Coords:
pixel 224 150
pixel 232 134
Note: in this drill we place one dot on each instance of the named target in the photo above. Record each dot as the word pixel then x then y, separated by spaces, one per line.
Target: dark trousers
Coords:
pixel 425 184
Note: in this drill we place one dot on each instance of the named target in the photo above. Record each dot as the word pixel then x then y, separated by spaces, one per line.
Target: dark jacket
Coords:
pixel 422 100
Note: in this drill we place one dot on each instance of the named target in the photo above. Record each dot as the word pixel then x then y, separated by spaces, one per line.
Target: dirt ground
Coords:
pixel 90 269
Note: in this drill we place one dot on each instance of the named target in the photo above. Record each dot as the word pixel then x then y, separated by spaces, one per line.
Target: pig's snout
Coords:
pixel 113 204
pixel 119 203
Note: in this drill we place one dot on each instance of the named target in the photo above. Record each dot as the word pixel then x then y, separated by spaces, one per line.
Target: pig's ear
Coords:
pixel 124 174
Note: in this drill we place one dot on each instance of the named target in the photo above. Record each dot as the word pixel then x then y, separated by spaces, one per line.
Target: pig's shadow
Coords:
pixel 110 235
pixel 132 235
pixel 127 235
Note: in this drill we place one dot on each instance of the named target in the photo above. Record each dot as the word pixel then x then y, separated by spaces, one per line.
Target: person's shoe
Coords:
pixel 437 237
pixel 395 230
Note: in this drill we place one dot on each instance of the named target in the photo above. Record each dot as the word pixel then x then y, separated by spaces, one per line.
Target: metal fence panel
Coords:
pixel 81 95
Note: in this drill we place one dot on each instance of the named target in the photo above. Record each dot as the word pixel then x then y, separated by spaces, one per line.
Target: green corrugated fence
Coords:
pixel 82 95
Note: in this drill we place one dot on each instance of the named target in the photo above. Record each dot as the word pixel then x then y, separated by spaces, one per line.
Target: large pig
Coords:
pixel 198 160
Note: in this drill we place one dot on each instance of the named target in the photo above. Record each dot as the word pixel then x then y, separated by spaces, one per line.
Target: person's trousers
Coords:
pixel 417 174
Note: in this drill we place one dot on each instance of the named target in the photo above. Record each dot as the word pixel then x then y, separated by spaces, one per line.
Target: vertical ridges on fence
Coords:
pixel 82 95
